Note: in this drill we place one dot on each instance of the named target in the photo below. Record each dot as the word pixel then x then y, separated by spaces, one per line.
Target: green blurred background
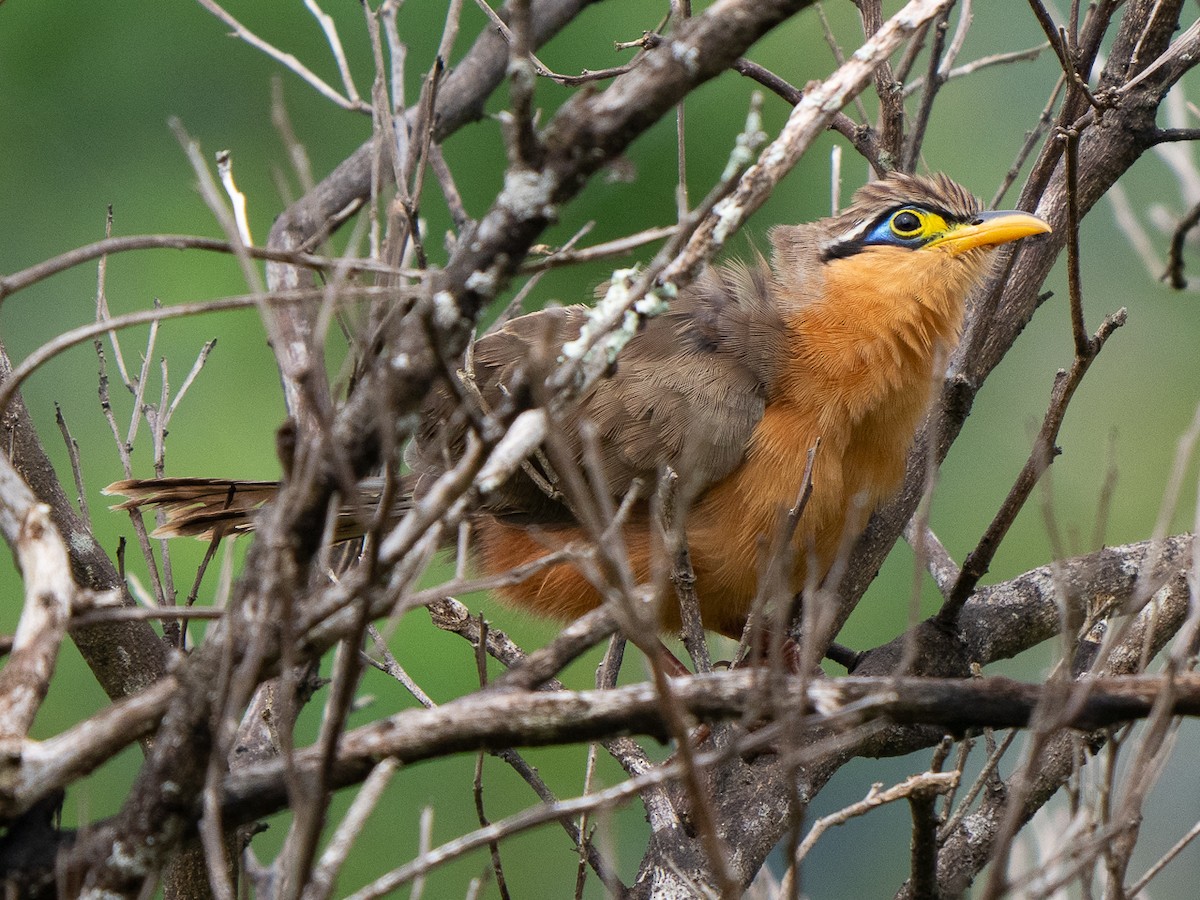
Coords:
pixel 86 91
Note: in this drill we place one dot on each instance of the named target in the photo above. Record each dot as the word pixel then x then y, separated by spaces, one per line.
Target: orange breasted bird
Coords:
pixel 841 338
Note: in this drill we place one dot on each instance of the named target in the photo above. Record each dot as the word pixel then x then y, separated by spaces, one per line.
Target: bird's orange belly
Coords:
pixel 734 534
pixel 725 579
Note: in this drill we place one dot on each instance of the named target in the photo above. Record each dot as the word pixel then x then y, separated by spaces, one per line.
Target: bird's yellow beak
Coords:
pixel 989 230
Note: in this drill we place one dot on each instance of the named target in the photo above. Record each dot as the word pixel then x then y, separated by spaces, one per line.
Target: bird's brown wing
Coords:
pixel 687 390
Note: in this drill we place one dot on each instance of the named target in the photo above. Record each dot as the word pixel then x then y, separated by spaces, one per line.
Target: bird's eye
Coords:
pixel 908 228
pixel 906 224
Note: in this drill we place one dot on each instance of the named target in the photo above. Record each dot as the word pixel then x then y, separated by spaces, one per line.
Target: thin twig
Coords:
pixel 105 614
pixel 1032 140
pixel 1174 274
pixel 938 782
pixel 138 387
pixel 984 62
pixel 1058 39
pixel 337 851
pixel 1160 864
pixel 768 79
pixel 477 781
pixel 514 306
pixel 17 281
pixel 1083 346
pixel 285 59
pixel 1041 456
pixel 335 45
pixel 445 178
pixel 201 359
pixel 102 310
pixel 566 255
pixel 388 664
pixel 935 77
pixel 297 153
pixel 938 561
pixel 76 336
pixel 72 446
pixel 541 69
pixel 981 781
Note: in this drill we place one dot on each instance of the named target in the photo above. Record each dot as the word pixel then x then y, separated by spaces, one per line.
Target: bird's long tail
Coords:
pixel 197 507
pixel 216 507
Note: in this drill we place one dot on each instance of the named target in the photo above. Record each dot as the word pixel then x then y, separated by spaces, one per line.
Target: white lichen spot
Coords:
pixel 970 826
pixel 445 310
pixel 81 542
pixel 655 302
pixel 748 141
pixel 106 599
pixel 741 155
pixel 615 300
pixel 482 282
pixel 401 362
pixel 775 155
pixel 527 194
pixel 689 56
pixel 129 861
pixel 613 322
pixel 729 218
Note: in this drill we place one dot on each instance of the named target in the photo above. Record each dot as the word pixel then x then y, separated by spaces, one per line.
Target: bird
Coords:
pixel 837 341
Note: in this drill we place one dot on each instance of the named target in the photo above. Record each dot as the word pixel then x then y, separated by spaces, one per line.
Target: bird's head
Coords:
pixel 909 236
pixel 909 212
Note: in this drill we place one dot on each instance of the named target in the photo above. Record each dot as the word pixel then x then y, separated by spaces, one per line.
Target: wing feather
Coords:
pixel 687 391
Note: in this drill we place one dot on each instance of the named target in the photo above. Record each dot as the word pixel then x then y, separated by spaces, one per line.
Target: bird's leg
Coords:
pixel 674 667
pixel 671 663
pixel 764 646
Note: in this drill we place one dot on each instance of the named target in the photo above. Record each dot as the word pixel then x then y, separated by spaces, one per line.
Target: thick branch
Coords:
pixel 124 656
pixel 494 721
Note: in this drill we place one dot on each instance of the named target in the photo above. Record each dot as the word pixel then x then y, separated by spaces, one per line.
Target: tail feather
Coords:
pixel 197 507
pixel 205 508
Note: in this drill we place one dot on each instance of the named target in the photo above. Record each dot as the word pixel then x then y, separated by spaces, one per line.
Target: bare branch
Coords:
pixel 49 595
pixel 1040 458
pixel 10 284
pixel 285 59
pixel 938 782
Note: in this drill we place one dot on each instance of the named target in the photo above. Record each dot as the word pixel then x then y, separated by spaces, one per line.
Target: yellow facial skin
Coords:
pixel 988 229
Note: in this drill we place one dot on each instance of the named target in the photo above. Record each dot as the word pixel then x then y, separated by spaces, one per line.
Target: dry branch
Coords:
pixel 716 810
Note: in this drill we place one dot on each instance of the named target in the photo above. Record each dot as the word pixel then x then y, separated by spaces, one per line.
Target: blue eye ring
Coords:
pixel 904 227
